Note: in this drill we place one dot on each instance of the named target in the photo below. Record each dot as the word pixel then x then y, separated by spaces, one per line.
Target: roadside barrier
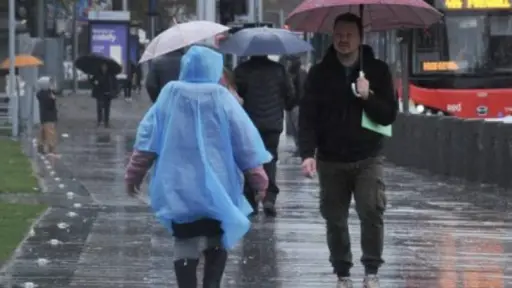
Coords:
pixel 475 150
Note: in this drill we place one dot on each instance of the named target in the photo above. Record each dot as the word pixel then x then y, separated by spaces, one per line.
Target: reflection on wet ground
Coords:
pixel 438 234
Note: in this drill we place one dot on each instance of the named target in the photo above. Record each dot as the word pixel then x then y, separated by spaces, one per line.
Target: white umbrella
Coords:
pixel 181 35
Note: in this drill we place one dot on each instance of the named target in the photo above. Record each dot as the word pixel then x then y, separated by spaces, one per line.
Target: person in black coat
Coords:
pixel 163 69
pixel 347 86
pixel 104 90
pixel 267 91
pixel 47 116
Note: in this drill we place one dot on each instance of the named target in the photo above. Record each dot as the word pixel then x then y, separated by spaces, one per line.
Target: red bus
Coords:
pixel 461 66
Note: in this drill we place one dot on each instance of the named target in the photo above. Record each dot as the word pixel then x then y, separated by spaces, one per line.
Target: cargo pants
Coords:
pixel 338 183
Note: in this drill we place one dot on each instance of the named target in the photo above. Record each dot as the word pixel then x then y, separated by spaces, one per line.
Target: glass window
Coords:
pixel 459 45
pixel 464 45
pixel 500 43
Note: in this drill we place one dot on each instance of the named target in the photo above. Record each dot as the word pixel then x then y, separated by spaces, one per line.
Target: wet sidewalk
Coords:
pixel 438 234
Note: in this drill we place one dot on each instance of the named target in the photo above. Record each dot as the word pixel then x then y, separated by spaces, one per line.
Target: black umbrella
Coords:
pixel 91 64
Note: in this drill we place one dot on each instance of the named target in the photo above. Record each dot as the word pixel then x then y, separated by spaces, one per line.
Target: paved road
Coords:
pixel 438 234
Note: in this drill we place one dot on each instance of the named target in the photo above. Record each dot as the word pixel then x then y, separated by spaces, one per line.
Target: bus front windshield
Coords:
pixel 476 45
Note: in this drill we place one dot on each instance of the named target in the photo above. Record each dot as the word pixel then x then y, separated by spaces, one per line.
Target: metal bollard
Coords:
pixel 404 157
pixel 471 140
pixel 494 163
pixel 501 168
pixel 416 131
pixel 505 145
pixel 475 155
pixel 457 144
pixel 396 142
pixel 424 131
pixel 429 146
pixel 411 156
pixel 487 153
pixel 445 145
pixel 437 152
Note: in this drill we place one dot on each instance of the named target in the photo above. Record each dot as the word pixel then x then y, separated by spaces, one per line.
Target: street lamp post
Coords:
pixel 12 74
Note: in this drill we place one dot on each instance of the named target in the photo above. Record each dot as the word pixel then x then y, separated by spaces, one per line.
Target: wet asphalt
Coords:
pixel 439 233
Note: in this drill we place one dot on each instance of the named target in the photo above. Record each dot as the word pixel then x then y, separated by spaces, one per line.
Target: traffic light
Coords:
pixel 240 7
pixel 228 9
pixel 226 12
pixel 25 11
pixel 20 11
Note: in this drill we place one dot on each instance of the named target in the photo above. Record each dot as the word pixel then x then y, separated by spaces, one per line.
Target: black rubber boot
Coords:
pixel 186 270
pixel 269 205
pixel 214 263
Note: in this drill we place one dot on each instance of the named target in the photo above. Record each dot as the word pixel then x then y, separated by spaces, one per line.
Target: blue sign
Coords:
pixel 111 40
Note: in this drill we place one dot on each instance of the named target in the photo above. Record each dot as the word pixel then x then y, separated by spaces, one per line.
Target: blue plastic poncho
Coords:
pixel 203 140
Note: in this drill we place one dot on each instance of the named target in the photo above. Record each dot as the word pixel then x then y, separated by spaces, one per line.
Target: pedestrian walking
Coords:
pixel 298 76
pixel 163 69
pixel 198 138
pixel 104 90
pixel 266 89
pixel 347 156
pixel 129 83
pixel 137 78
pixel 48 116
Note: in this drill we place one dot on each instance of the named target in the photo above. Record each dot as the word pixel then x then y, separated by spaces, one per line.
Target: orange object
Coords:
pixel 22 61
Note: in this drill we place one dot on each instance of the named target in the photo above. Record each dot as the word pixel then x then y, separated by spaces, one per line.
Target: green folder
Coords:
pixel 370 125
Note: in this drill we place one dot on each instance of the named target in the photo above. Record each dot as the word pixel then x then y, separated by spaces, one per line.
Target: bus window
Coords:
pixel 459 45
pixel 500 43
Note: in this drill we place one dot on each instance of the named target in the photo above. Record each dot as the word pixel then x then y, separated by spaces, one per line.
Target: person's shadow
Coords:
pixel 258 264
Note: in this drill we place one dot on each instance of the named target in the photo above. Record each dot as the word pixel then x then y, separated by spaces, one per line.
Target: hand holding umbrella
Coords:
pixel 362 86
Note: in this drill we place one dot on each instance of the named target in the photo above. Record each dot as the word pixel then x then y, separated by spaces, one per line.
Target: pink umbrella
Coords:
pixel 319 15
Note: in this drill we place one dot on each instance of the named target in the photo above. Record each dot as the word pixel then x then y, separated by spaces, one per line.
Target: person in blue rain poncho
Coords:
pixel 201 143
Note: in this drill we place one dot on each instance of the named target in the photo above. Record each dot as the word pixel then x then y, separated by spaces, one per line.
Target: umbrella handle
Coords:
pixel 353 86
pixel 354 90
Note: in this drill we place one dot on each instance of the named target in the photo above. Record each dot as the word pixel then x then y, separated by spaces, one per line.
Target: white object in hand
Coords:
pixel 354 89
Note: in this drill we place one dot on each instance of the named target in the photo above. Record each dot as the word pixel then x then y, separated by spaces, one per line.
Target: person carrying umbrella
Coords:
pixel 266 89
pixel 104 90
pixel 166 50
pixel 163 69
pixel 348 155
pixel 265 105
pixel 101 71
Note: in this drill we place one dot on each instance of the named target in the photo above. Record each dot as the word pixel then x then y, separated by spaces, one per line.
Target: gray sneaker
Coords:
pixel 371 281
pixel 344 282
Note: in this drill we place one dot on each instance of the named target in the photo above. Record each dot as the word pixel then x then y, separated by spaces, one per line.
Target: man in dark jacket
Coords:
pixel 163 69
pixel 349 164
pixel 266 88
pixel 104 89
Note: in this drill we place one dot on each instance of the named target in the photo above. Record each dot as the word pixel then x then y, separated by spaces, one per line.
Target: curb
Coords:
pixel 8 264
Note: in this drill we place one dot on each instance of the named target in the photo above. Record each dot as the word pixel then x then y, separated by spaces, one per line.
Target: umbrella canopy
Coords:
pixel 22 61
pixel 181 35
pixel 264 41
pixel 91 64
pixel 318 16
